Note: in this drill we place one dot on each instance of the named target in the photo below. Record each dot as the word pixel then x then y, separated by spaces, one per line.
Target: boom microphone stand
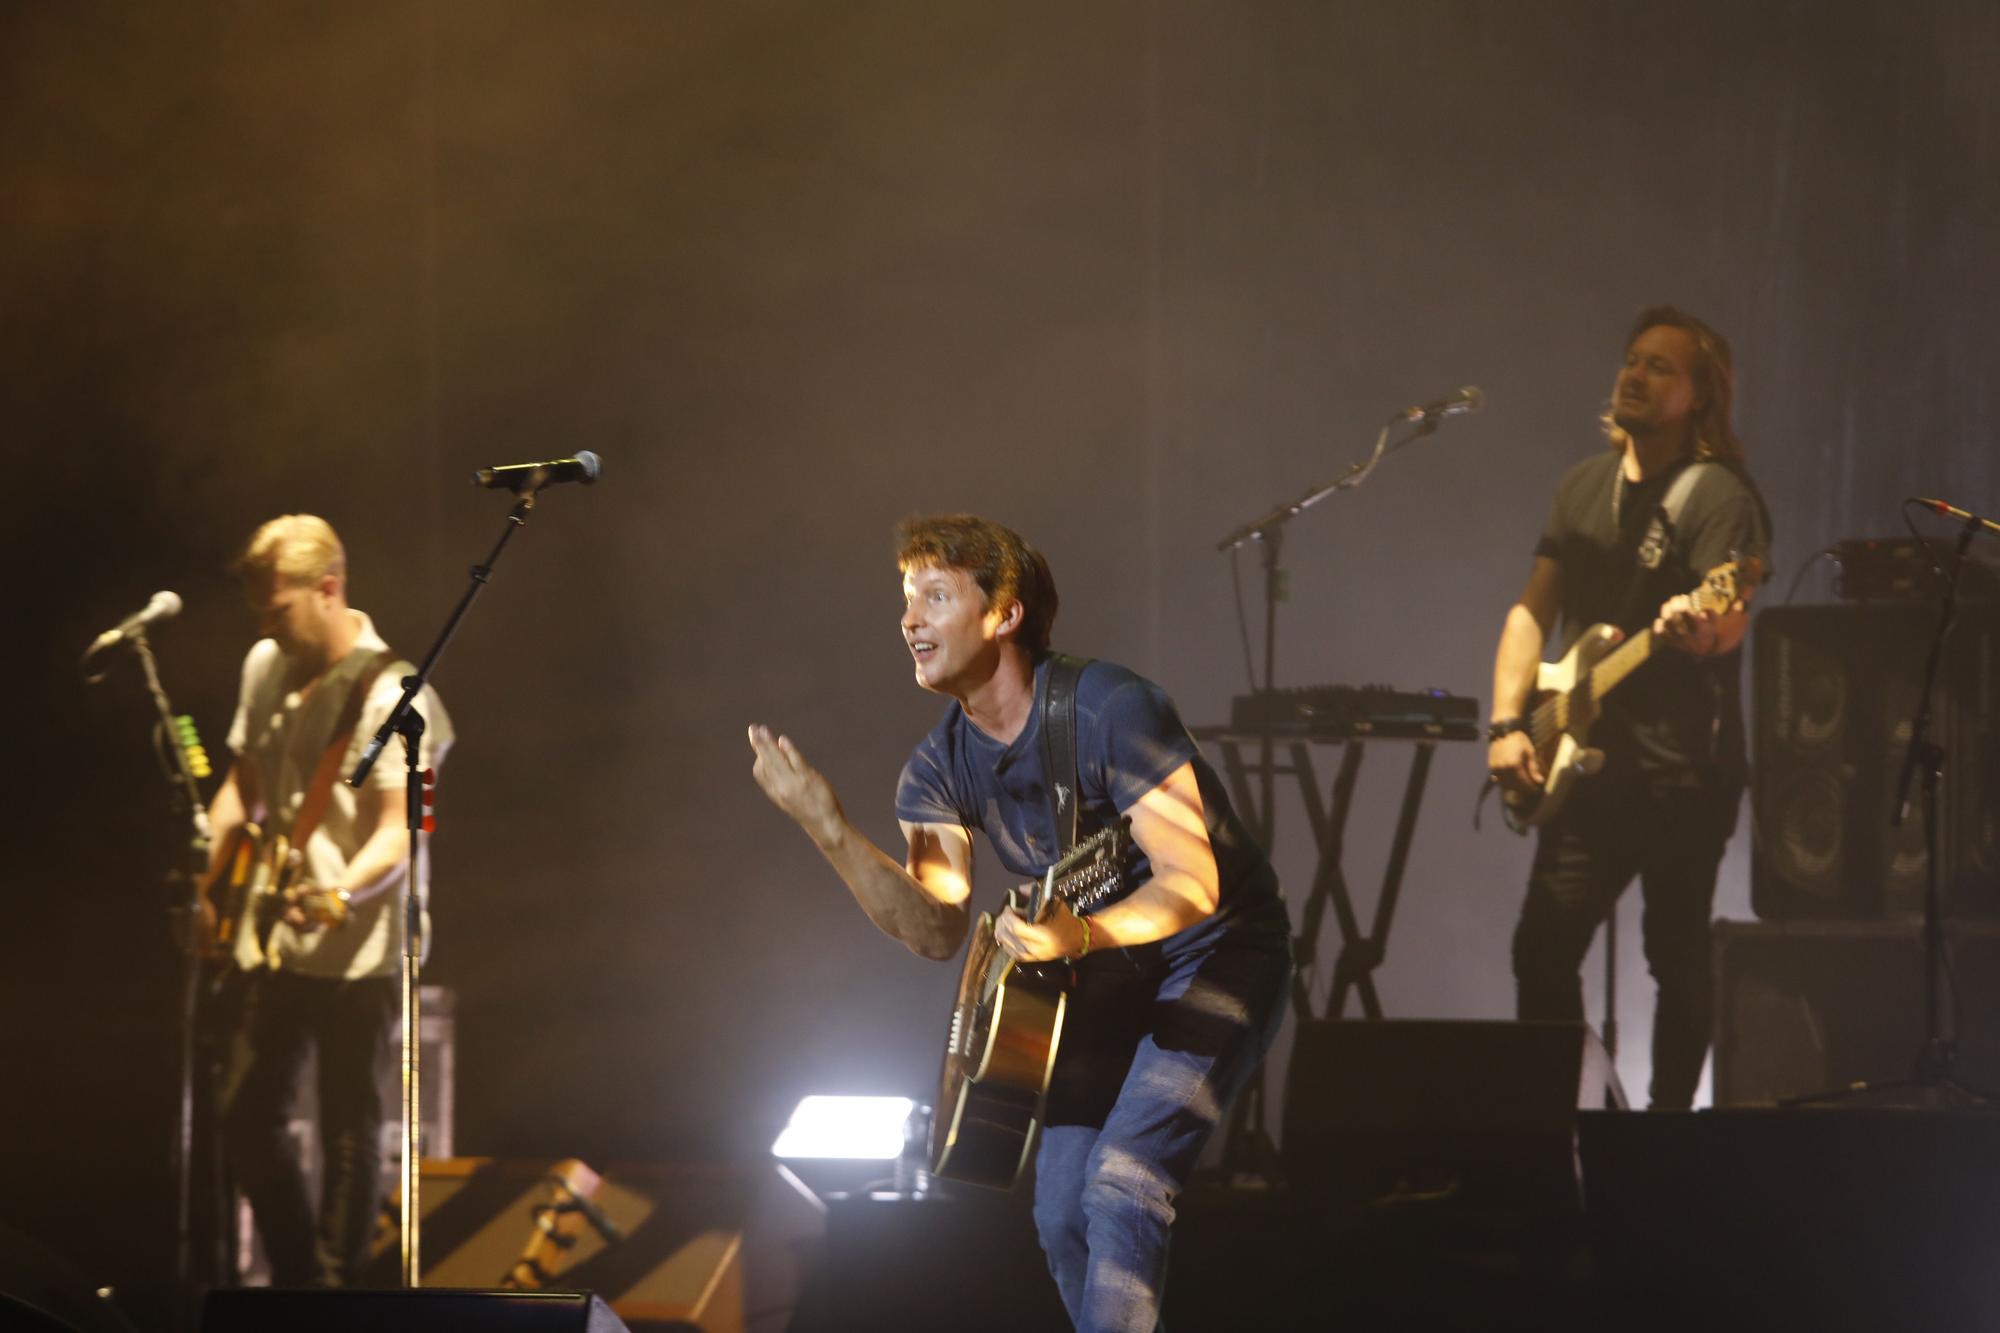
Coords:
pixel 1247 1135
pixel 404 720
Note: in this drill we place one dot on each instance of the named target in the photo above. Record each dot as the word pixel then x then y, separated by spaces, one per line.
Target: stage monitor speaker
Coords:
pixel 1483 1113
pixel 965 1260
pixel 1835 688
pixel 717 1247
pixel 1807 1006
pixel 424 1310
pixel 1747 1221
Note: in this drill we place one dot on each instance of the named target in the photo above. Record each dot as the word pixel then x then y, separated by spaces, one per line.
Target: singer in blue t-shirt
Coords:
pixel 1180 982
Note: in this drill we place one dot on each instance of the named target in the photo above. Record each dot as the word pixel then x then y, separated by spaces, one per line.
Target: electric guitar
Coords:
pixel 1567 693
pixel 263 877
pixel 1007 1023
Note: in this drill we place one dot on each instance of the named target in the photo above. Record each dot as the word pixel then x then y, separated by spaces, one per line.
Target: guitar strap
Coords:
pixel 313 807
pixel 1662 526
pixel 1666 519
pixel 1059 746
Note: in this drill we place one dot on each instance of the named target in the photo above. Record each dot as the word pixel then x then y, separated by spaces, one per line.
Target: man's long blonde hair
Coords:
pixel 1714 380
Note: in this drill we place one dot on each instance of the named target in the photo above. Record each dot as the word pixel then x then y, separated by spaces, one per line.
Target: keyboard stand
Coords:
pixel 1360 955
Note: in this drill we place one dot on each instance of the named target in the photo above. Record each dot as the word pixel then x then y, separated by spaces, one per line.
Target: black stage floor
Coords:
pixel 1761 1220
pixel 1764 1220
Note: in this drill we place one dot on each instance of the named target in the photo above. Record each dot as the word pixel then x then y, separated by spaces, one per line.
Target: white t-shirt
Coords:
pixel 280 738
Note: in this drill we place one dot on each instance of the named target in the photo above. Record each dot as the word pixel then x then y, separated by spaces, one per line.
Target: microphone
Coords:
pixel 164 606
pixel 518 477
pixel 1953 511
pixel 1468 399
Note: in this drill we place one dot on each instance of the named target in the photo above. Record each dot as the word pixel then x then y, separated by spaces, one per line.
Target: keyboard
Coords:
pixel 1356 712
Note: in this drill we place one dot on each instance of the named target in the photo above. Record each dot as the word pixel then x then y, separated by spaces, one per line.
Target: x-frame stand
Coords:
pixel 1360 955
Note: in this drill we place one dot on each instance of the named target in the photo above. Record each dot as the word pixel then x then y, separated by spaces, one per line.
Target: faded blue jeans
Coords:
pixel 1104 1197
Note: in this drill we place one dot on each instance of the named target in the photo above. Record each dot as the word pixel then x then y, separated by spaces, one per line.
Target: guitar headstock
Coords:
pixel 1728 585
pixel 1095 868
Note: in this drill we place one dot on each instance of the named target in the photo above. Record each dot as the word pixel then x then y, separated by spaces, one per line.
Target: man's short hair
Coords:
pixel 296 548
pixel 1004 566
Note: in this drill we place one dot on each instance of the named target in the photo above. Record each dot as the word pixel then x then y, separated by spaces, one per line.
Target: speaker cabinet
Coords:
pixel 716 1247
pixel 1835 689
pixel 1484 1111
pixel 964 1259
pixel 1807 1006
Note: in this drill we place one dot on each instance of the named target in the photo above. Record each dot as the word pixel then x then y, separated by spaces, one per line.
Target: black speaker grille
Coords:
pixel 1835 689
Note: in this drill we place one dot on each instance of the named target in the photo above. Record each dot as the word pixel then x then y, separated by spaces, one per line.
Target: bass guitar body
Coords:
pixel 1568 694
pixel 1564 753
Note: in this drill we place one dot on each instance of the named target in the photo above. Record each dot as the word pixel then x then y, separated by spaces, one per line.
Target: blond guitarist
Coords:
pixel 319 970
pixel 1624 546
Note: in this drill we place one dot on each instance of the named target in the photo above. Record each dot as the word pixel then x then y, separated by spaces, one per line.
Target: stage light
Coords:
pixel 854 1128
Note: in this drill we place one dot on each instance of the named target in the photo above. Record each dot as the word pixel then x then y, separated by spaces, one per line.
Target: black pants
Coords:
pixel 346 1023
pixel 1608 832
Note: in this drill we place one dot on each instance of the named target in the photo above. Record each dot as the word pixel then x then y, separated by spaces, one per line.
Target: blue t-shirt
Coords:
pixel 1129 739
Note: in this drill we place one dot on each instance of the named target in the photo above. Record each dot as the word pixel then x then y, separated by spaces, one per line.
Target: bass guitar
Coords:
pixel 1566 698
pixel 1007 1022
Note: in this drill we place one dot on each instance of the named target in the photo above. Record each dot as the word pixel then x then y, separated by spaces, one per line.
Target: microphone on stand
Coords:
pixel 1468 399
pixel 518 477
pixel 164 606
pixel 1953 511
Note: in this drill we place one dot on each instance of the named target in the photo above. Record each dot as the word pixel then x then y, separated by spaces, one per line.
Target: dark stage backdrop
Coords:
pixel 1121 274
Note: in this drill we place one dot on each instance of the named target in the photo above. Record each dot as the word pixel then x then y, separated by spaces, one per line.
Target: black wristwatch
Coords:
pixel 1506 726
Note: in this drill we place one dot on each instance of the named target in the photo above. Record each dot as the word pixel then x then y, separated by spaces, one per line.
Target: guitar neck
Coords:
pixel 1632 654
pixel 1621 662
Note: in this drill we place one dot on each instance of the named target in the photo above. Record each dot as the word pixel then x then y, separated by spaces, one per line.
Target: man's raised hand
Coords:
pixel 793 785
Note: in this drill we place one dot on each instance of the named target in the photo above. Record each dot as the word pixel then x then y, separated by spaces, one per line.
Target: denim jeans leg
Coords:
pixel 1059 1166
pixel 267 1058
pixel 1215 1017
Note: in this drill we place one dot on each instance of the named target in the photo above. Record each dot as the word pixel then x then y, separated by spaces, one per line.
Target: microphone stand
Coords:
pixel 1269 532
pixel 405 721
pixel 186 803
pixel 1937 1059
pixel 1247 1131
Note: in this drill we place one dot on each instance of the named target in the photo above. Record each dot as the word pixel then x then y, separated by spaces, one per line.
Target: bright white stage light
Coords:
pixel 861 1128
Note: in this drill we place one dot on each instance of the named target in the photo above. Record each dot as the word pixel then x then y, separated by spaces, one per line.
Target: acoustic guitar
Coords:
pixel 1006 1025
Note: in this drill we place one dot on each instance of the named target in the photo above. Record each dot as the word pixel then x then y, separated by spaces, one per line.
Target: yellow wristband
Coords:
pixel 1084 921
